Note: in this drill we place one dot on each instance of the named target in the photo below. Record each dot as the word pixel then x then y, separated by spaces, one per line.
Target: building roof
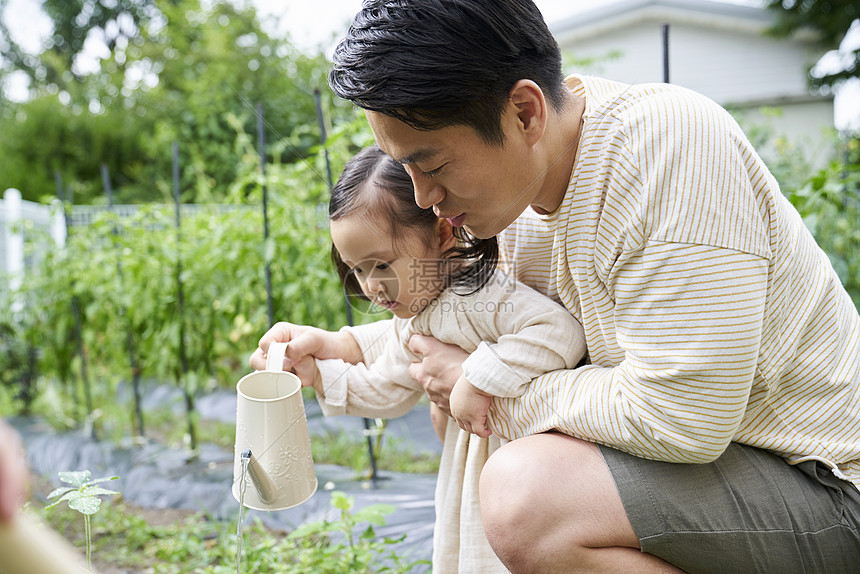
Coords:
pixel 709 13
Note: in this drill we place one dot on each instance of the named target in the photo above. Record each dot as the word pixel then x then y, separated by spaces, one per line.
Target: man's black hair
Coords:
pixel 438 63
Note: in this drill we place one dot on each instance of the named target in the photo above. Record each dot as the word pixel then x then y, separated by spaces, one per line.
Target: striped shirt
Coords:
pixel 710 314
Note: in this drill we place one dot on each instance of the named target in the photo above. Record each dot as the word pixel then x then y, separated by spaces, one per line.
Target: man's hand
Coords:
pixel 440 367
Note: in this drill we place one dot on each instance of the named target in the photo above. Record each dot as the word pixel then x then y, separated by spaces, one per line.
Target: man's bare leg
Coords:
pixel 549 504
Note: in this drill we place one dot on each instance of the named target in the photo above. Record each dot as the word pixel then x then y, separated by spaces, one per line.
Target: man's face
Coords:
pixel 472 184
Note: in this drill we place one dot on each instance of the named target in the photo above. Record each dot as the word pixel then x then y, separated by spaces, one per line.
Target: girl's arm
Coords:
pixel 381 388
pixel 335 364
pixel 523 334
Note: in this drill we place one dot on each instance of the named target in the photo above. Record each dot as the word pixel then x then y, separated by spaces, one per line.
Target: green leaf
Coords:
pixel 308 529
pixel 70 496
pixel 341 501
pixel 103 479
pixel 86 504
pixel 75 477
pixel 96 491
pixel 374 514
pixel 58 491
pixel 368 534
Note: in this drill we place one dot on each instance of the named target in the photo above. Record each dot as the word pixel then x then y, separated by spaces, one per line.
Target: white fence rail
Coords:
pixel 25 222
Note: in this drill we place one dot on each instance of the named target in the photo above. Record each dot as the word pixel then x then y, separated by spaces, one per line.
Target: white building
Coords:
pixel 716 48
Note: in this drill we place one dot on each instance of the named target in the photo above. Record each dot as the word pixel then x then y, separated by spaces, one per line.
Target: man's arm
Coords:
pixel 689 319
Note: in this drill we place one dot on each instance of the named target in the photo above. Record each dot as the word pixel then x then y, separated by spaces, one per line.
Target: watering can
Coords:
pixel 28 547
pixel 272 441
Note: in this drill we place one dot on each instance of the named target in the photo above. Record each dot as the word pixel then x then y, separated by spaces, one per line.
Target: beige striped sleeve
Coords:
pixel 689 318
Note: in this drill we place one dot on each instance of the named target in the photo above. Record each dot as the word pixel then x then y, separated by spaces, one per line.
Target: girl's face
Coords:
pixel 403 276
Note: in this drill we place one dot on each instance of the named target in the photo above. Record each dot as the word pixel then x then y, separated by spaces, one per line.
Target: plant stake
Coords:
pixel 135 370
pixel 180 304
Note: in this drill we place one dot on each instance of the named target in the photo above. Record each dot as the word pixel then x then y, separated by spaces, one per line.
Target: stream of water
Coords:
pixel 240 525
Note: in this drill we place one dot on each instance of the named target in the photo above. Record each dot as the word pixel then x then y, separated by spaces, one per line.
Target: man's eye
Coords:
pixel 433 172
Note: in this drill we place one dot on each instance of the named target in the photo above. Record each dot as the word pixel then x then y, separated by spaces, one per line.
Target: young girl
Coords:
pixel 437 281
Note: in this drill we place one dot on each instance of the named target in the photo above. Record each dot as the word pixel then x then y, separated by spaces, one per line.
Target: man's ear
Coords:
pixel 445 235
pixel 530 107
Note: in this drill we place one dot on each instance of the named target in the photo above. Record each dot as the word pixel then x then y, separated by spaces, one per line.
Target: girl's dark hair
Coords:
pixel 370 169
pixel 438 63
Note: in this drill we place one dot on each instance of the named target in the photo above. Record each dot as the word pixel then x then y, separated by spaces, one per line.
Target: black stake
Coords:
pixel 367 430
pixel 321 122
pixel 261 144
pixel 132 357
pixel 76 311
pixel 180 309
pixel 323 136
pixel 76 314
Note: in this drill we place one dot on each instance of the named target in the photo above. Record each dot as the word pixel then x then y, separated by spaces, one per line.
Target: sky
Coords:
pixel 314 24
pixel 311 23
pixel 317 27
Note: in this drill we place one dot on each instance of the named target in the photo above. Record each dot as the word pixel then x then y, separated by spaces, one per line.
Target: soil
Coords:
pixel 160 484
pixel 40 487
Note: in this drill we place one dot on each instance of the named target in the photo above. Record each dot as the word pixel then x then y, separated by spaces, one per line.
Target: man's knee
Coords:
pixel 506 506
pixel 507 486
pixel 528 474
pixel 546 493
pixel 518 500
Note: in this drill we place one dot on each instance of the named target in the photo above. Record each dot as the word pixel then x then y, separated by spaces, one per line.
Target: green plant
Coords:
pixel 17 365
pixel 83 496
pixel 133 539
pixel 829 202
pixel 332 547
pixel 80 313
pixel 345 449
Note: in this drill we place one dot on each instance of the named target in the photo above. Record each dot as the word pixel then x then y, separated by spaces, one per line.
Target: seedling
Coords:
pixel 83 496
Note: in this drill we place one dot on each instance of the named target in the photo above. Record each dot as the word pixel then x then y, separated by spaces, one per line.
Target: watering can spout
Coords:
pixel 266 488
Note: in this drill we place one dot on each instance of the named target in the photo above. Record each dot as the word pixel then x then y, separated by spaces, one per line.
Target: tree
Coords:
pixel 169 70
pixel 830 20
pixel 115 23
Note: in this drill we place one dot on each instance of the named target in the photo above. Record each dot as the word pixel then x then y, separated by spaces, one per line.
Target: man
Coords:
pixel 717 426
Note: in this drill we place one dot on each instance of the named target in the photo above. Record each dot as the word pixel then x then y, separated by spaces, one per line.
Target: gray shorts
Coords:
pixel 748 511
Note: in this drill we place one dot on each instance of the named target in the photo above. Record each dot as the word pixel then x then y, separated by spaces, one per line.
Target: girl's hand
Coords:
pixel 308 373
pixel 469 407
pixel 304 342
pixel 439 420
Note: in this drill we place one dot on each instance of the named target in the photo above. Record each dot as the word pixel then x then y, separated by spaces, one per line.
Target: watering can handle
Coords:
pixel 275 357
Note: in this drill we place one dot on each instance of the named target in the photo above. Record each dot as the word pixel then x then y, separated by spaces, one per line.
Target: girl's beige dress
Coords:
pixel 513 334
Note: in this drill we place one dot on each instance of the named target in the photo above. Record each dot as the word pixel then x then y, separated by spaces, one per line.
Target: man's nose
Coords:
pixel 427 193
